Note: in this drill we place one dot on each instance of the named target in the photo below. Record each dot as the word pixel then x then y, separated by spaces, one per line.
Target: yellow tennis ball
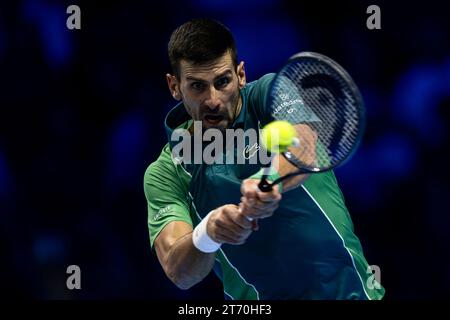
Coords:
pixel 277 136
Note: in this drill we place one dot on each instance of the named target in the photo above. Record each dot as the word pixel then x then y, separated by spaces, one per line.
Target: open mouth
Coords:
pixel 213 119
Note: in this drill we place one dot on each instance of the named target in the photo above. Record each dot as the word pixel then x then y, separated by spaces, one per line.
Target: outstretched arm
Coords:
pixel 182 261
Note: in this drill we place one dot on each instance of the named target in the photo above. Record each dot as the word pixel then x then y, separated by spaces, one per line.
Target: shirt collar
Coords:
pixel 177 117
pixel 240 120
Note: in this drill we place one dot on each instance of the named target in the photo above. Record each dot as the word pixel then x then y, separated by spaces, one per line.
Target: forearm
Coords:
pixel 283 168
pixel 187 260
pixel 185 264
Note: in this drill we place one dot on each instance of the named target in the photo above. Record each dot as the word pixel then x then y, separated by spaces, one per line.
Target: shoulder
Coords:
pixel 255 95
pixel 165 174
pixel 164 161
pixel 260 84
pixel 162 167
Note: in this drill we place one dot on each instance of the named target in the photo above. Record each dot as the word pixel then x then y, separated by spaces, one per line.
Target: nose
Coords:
pixel 212 100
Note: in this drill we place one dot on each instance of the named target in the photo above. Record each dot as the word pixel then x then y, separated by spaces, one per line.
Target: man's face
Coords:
pixel 210 92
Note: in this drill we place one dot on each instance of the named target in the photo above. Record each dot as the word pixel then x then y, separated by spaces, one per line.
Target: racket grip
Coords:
pixel 264 185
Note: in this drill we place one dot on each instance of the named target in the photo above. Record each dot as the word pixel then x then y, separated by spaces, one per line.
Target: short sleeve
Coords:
pixel 258 92
pixel 166 193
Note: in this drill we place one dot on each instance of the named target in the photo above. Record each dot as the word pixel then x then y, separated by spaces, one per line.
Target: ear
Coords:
pixel 174 86
pixel 241 75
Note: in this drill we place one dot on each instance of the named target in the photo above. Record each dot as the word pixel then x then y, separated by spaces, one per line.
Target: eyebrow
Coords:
pixel 226 72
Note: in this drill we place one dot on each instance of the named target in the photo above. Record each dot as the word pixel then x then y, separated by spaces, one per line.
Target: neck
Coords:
pixel 238 108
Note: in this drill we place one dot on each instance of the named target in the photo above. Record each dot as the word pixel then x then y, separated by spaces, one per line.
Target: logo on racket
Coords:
pixel 286 104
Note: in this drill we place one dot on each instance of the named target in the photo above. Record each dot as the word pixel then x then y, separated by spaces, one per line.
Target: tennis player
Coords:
pixel 294 242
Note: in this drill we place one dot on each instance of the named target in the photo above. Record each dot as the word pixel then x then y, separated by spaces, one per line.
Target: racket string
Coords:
pixel 313 93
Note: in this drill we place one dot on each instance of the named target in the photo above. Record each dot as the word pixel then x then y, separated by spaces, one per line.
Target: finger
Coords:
pixel 260 206
pixel 231 237
pixel 249 201
pixel 249 188
pixel 273 195
pixel 258 210
pixel 235 221
pixel 260 203
pixel 265 213
pixel 246 203
pixel 248 212
pixel 269 207
pixel 229 226
pixel 268 196
pixel 247 207
pixel 243 221
pixel 224 238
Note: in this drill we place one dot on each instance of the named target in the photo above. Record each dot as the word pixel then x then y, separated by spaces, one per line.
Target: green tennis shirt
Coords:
pixel 306 250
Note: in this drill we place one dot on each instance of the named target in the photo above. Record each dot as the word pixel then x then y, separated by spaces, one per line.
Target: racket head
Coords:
pixel 318 97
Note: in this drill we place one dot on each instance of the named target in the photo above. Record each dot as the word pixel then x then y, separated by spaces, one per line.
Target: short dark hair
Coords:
pixel 200 41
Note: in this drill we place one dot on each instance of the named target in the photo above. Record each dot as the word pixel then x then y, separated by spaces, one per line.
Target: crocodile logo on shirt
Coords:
pixel 161 212
pixel 250 151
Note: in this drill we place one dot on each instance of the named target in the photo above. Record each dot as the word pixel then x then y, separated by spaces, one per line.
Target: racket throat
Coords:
pixel 266 186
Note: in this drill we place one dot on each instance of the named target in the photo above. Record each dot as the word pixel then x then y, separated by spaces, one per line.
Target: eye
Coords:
pixel 197 86
pixel 222 82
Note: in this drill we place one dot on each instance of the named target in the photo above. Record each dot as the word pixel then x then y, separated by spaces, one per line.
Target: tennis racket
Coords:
pixel 320 99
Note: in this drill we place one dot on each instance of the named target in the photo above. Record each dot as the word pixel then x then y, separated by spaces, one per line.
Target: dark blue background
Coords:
pixel 81 117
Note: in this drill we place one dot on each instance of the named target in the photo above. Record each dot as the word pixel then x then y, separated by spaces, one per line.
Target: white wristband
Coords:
pixel 201 239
